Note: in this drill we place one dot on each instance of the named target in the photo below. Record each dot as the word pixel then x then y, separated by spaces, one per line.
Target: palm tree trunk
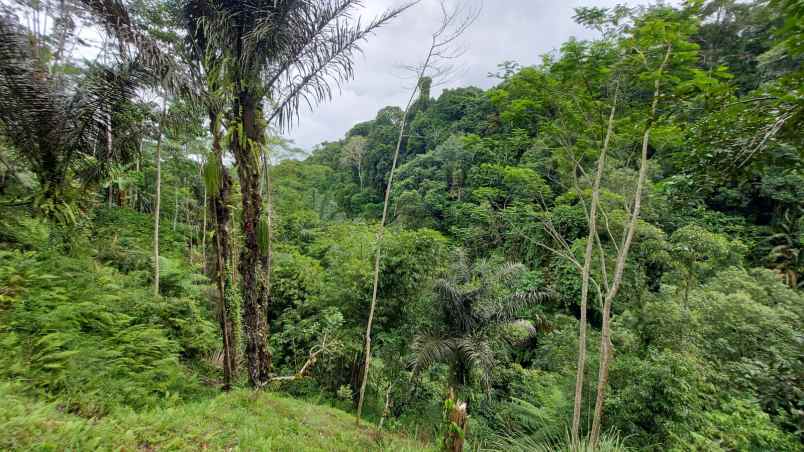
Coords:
pixel 605 340
pixel 252 259
pixel 587 267
pixel 221 214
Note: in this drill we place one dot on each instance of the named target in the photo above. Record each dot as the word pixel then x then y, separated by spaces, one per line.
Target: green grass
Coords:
pixel 241 420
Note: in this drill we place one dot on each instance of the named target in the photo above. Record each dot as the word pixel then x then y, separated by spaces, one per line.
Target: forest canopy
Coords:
pixel 602 251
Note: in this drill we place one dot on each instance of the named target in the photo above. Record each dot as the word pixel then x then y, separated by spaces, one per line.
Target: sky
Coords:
pixel 516 30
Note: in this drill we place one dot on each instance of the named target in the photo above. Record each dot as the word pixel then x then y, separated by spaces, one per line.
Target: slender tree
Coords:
pixel 586 274
pixel 454 22
pixel 158 194
pixel 622 255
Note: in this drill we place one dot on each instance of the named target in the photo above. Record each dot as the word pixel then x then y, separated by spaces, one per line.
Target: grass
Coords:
pixel 241 420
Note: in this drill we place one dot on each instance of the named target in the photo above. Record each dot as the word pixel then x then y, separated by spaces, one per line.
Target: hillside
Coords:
pixel 598 248
pixel 241 420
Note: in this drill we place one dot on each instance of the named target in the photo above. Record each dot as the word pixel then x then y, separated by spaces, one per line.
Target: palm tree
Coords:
pixel 62 130
pixel 289 53
pixel 474 308
pixel 276 56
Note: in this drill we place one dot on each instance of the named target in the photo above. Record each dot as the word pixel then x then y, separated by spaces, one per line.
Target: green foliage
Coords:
pixel 93 337
pixel 252 421
pixel 707 347
pixel 74 332
pixel 738 425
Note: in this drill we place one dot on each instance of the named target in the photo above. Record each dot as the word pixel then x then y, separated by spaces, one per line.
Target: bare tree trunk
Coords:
pixel 204 230
pixel 387 409
pixel 439 49
pixel 587 267
pixel 605 340
pixel 176 209
pixel 360 173
pixel 158 199
pixel 109 153
pixel 135 195
pixel 377 256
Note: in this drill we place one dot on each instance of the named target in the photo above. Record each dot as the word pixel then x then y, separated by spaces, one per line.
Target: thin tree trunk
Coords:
pixel 605 340
pixel 204 229
pixel 135 193
pixel 387 409
pixel 221 214
pixel 109 153
pixel 176 208
pixel 158 199
pixel 381 233
pixel 377 256
pixel 587 267
pixel 360 173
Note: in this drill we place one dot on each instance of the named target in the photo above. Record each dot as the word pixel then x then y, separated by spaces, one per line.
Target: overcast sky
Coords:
pixel 518 30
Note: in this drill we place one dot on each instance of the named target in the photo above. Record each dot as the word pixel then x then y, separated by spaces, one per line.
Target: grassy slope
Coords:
pixel 241 420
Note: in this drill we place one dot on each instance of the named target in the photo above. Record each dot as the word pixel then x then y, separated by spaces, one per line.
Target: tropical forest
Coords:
pixel 402 225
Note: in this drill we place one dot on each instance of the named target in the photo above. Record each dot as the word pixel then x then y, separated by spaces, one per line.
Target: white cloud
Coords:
pixel 519 30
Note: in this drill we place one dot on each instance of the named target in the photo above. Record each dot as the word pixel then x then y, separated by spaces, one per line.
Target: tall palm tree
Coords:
pixel 474 308
pixel 279 55
pixel 276 56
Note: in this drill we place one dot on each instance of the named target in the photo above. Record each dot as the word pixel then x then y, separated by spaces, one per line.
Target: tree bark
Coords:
pixel 605 340
pixel 457 429
pixel 204 229
pixel 387 409
pixel 221 214
pixel 381 231
pixel 252 260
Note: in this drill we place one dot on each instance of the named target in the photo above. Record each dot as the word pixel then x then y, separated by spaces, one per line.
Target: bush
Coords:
pixel 83 333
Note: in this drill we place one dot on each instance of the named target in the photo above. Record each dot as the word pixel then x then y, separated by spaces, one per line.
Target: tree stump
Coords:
pixel 456 423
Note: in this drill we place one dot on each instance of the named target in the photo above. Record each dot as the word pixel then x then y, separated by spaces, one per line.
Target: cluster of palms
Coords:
pixel 251 63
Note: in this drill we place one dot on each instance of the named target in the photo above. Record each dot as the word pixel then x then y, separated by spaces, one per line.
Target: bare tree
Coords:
pixel 586 274
pixel 454 22
pixel 622 256
pixel 353 154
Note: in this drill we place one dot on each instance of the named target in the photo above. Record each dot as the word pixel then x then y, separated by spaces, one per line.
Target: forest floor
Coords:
pixel 240 420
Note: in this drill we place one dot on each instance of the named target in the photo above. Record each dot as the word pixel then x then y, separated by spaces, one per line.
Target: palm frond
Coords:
pixel 28 106
pixel 505 309
pixel 54 129
pixel 429 349
pixel 476 350
pixel 165 68
pixel 318 57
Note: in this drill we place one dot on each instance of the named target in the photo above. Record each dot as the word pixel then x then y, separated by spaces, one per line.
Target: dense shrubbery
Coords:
pixel 91 336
